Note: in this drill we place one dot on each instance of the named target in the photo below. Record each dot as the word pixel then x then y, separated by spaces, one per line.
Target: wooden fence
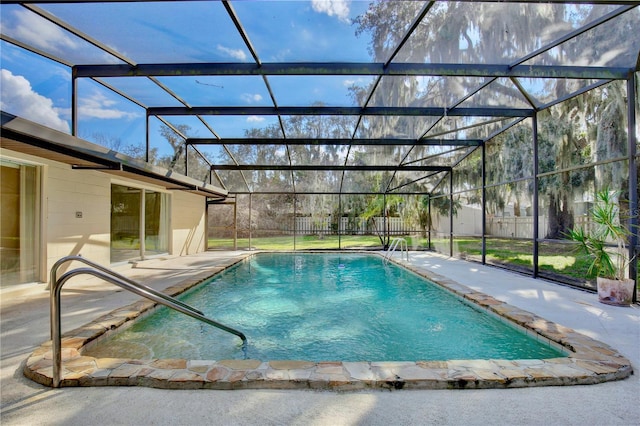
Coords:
pixel 467 223
pixel 351 226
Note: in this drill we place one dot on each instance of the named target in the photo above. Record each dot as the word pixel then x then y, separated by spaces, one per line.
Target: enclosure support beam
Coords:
pixel 337 141
pixel 339 221
pixel 186 159
pixel 341 68
pixel 318 193
pixel 633 181
pixel 74 106
pixel 429 223
pixel 451 213
pixel 385 236
pixel 320 167
pixel 235 225
pixel 484 204
pixel 331 110
pixel 535 195
pixel 147 137
pixel 250 221
pixel 143 225
pixel 206 223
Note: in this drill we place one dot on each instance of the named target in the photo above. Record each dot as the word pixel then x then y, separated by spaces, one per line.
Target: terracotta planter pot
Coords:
pixel 615 292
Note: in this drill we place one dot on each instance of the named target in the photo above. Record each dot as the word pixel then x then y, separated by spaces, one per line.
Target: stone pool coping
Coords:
pixel 588 361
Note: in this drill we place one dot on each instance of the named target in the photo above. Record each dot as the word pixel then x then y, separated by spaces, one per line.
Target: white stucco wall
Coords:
pixel 188 214
pixel 66 191
pixel 87 192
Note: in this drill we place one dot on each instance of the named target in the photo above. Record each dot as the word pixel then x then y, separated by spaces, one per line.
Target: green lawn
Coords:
pixel 553 258
pixel 306 242
pixel 310 242
pixel 556 258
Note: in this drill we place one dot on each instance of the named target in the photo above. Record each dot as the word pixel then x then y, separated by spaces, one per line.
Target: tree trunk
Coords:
pixel 560 217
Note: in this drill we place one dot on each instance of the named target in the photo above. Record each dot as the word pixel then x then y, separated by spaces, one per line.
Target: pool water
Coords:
pixel 324 307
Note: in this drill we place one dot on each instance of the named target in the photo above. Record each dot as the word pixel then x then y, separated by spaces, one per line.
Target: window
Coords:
pixel 139 223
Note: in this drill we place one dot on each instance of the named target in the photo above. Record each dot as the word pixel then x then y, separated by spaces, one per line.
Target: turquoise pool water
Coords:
pixel 324 307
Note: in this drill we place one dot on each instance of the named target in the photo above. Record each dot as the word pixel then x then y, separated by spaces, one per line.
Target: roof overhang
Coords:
pixel 27 137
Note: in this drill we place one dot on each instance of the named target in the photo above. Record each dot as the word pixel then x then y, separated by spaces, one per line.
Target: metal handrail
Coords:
pixel 132 286
pixel 54 272
pixel 394 245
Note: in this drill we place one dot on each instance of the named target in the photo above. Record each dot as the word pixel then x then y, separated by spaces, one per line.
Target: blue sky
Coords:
pixel 39 89
pixel 297 31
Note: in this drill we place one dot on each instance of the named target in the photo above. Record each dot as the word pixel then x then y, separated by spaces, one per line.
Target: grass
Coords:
pixel 311 242
pixel 306 242
pixel 553 258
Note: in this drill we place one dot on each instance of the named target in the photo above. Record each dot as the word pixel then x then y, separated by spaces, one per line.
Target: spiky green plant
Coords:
pixel 605 216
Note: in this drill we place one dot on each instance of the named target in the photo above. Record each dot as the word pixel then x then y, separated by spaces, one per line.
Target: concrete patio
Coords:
pixel 25 325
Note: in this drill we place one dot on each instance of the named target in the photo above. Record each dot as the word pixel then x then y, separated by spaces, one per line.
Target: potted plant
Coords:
pixel 609 265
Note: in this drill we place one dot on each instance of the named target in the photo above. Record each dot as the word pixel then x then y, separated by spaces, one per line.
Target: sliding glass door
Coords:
pixel 156 223
pixel 20 220
pixel 139 223
pixel 125 223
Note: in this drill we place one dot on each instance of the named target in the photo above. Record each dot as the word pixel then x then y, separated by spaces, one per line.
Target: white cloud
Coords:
pixel 99 106
pixel 337 8
pixel 357 81
pixel 251 98
pixel 254 119
pixel 18 98
pixel 234 53
pixel 41 33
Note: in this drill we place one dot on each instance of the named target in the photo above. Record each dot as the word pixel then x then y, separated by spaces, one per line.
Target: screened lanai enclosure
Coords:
pixel 476 129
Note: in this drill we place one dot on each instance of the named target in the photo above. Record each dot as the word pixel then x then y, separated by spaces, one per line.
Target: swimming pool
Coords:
pixel 325 307
pixel 588 362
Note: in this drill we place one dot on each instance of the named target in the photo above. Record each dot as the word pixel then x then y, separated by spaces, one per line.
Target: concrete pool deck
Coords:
pixel 25 326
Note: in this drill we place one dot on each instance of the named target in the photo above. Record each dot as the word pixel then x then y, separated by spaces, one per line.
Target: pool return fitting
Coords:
pixel 123 282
